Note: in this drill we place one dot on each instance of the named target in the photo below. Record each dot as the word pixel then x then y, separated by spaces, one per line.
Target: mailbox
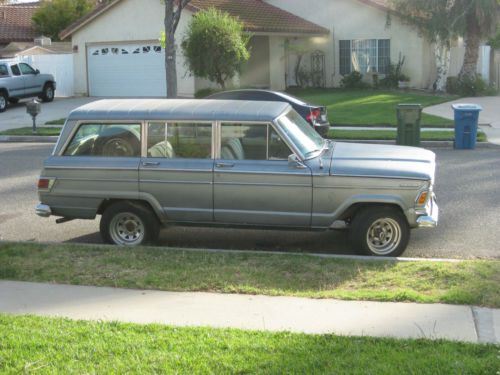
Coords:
pixel 33 108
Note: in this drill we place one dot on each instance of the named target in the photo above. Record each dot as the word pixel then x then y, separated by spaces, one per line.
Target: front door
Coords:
pixel 33 83
pixel 255 184
pixel 177 170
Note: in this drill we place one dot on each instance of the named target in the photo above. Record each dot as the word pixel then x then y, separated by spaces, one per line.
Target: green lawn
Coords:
pixel 465 282
pixel 60 121
pixel 391 135
pixel 41 130
pixel 371 107
pixel 32 345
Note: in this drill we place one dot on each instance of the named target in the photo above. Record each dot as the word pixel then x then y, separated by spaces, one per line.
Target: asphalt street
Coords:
pixel 467 187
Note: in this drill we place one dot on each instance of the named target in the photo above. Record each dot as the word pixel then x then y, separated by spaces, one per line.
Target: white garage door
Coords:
pixel 127 70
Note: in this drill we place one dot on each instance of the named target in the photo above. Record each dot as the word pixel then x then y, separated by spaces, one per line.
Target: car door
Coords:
pixel 177 169
pixel 32 81
pixel 254 183
pixel 16 82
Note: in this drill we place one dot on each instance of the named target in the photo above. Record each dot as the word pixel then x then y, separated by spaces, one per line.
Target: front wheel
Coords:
pixel 379 231
pixel 48 93
pixel 129 224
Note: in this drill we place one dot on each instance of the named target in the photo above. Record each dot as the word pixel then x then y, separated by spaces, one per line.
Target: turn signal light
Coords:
pixel 422 198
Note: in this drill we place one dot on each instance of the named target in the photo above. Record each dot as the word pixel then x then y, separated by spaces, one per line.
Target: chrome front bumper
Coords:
pixel 43 210
pixel 430 220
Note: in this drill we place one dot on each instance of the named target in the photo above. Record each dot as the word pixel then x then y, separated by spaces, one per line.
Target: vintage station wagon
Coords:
pixel 147 163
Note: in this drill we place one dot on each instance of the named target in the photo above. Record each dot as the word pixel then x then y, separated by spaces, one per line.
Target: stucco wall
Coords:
pixel 352 19
pixel 256 72
pixel 129 20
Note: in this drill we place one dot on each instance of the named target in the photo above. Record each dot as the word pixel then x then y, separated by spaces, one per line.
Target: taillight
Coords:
pixel 313 116
pixel 45 183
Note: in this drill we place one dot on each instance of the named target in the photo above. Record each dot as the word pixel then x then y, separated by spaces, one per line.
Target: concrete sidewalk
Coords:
pixel 489 117
pixel 356 318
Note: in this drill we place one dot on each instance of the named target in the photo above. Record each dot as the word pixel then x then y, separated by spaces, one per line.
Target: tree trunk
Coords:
pixel 442 55
pixel 472 41
pixel 170 52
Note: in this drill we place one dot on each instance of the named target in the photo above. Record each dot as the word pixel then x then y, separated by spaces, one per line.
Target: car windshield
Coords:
pixel 305 138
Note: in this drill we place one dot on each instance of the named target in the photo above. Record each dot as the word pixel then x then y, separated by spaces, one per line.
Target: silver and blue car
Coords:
pixel 145 164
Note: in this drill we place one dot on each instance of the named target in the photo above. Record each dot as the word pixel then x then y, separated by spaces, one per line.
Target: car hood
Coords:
pixel 355 159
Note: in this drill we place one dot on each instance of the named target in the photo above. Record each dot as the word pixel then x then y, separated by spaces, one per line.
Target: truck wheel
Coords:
pixel 379 231
pixel 129 224
pixel 48 93
pixel 3 102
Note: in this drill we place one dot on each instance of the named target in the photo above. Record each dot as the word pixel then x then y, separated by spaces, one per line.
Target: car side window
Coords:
pixel 252 142
pixel 179 140
pixel 26 69
pixel 3 71
pixel 106 140
pixel 15 70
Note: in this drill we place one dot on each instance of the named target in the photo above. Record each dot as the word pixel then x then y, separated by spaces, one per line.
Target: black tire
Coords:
pixel 48 93
pixel 379 231
pixel 129 224
pixel 3 101
pixel 13 100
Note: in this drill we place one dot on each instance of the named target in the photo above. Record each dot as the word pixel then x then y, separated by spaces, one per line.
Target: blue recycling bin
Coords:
pixel 466 120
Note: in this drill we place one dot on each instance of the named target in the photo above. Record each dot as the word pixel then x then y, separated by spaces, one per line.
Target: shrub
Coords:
pixel 203 93
pixel 469 87
pixel 354 80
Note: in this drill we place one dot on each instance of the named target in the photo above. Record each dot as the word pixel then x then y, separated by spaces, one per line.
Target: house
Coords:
pixel 39 46
pixel 117 53
pixel 116 50
pixel 16 24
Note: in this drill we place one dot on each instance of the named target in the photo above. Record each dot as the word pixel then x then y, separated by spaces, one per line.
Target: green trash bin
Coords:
pixel 409 116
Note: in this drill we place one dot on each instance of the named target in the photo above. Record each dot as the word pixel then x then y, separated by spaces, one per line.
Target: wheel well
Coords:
pixel 4 91
pixel 357 207
pixel 108 202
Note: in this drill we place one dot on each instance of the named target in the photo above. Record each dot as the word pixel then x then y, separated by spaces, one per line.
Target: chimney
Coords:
pixel 43 41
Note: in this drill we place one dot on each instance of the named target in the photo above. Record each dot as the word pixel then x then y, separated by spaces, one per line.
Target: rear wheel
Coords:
pixel 48 93
pixel 129 224
pixel 3 102
pixel 379 231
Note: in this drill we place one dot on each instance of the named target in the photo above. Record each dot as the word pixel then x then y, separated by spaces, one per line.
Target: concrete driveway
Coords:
pixel 16 117
pixel 489 117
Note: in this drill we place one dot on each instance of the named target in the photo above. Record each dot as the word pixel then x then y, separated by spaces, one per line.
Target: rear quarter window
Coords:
pixel 106 140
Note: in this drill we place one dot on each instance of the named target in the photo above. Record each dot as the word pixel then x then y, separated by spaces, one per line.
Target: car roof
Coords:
pixel 180 109
pixel 279 94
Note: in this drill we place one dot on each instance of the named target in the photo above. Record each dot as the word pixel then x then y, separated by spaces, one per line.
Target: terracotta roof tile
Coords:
pixel 15 22
pixel 259 16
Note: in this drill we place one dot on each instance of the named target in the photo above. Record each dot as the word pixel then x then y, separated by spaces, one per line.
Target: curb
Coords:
pixel 28 139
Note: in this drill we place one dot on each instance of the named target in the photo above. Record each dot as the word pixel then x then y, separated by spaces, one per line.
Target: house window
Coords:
pixel 364 55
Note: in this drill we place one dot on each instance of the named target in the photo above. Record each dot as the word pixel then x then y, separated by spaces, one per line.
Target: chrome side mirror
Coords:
pixel 294 161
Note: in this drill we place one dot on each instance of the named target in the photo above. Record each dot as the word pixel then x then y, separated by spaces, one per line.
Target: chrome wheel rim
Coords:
pixel 384 236
pixel 127 229
pixel 3 102
pixel 49 93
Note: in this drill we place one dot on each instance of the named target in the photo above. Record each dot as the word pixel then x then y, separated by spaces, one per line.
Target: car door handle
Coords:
pixel 224 165
pixel 150 163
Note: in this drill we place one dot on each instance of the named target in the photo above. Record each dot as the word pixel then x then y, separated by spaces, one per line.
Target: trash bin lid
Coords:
pixel 466 107
pixel 409 106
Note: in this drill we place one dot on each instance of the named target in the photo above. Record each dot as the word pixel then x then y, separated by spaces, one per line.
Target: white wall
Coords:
pixel 60 66
pixel 129 20
pixel 352 19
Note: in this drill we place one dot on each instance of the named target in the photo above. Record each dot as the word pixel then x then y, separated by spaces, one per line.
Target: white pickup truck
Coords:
pixel 20 80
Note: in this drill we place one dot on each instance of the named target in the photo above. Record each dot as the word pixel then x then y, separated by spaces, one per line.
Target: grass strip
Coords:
pixel 371 106
pixel 60 346
pixel 40 130
pixel 471 282
pixel 391 135
pixel 60 121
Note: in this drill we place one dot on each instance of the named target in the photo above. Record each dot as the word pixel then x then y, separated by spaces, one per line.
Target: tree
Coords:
pixel 438 22
pixel 215 46
pixel 481 18
pixel 53 16
pixel 173 10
